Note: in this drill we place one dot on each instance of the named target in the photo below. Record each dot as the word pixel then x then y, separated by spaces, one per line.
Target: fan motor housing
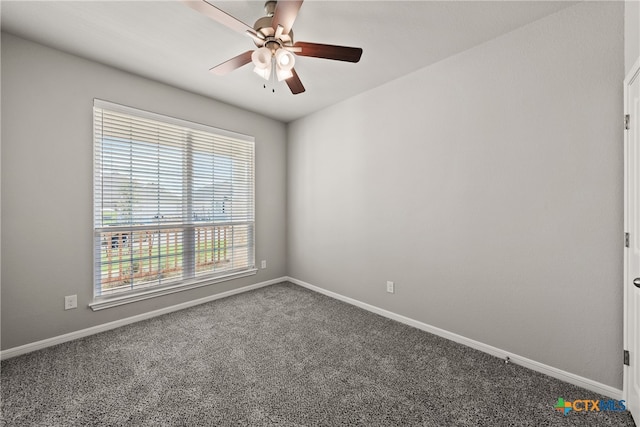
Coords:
pixel 264 27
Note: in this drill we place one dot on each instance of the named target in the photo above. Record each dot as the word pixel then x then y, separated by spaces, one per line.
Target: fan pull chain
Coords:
pixel 273 74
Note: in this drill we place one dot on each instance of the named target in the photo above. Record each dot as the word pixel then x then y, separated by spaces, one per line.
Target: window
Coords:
pixel 173 205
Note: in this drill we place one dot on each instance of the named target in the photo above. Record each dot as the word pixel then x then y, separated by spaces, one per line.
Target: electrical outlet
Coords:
pixel 263 264
pixel 70 301
pixel 390 287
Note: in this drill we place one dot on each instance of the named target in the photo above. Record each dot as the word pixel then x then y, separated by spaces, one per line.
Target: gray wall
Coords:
pixel 487 186
pixel 631 33
pixel 47 99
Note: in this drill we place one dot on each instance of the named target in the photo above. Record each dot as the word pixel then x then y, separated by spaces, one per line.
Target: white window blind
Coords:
pixel 173 202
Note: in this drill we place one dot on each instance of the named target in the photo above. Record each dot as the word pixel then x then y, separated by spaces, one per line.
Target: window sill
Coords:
pixel 102 303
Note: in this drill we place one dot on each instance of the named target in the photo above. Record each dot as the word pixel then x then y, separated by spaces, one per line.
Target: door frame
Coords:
pixel 633 74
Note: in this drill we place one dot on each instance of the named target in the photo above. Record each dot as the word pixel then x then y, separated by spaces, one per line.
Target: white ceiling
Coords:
pixel 171 43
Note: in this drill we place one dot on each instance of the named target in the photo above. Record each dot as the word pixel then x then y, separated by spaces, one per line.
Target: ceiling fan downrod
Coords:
pixel 270 7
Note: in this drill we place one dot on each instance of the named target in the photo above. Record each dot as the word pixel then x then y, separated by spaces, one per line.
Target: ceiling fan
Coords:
pixel 274 40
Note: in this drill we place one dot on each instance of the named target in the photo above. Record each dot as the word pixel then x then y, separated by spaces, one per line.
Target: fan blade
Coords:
pixel 294 83
pixel 232 64
pixel 218 15
pixel 327 51
pixel 256 38
pixel 285 14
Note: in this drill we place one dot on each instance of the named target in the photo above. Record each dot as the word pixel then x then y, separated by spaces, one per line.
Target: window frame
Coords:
pixel 181 284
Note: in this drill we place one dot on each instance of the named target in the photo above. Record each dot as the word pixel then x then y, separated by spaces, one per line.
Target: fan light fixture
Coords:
pixel 264 59
pixel 261 58
pixel 285 62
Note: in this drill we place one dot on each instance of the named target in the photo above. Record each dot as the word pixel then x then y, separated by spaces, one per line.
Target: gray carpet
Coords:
pixel 280 355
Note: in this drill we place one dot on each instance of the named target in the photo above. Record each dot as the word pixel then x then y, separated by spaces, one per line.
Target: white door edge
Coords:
pixel 633 74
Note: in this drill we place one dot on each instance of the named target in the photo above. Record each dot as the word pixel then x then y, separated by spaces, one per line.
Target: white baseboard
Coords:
pixel 565 376
pixel 27 348
pixel 494 351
